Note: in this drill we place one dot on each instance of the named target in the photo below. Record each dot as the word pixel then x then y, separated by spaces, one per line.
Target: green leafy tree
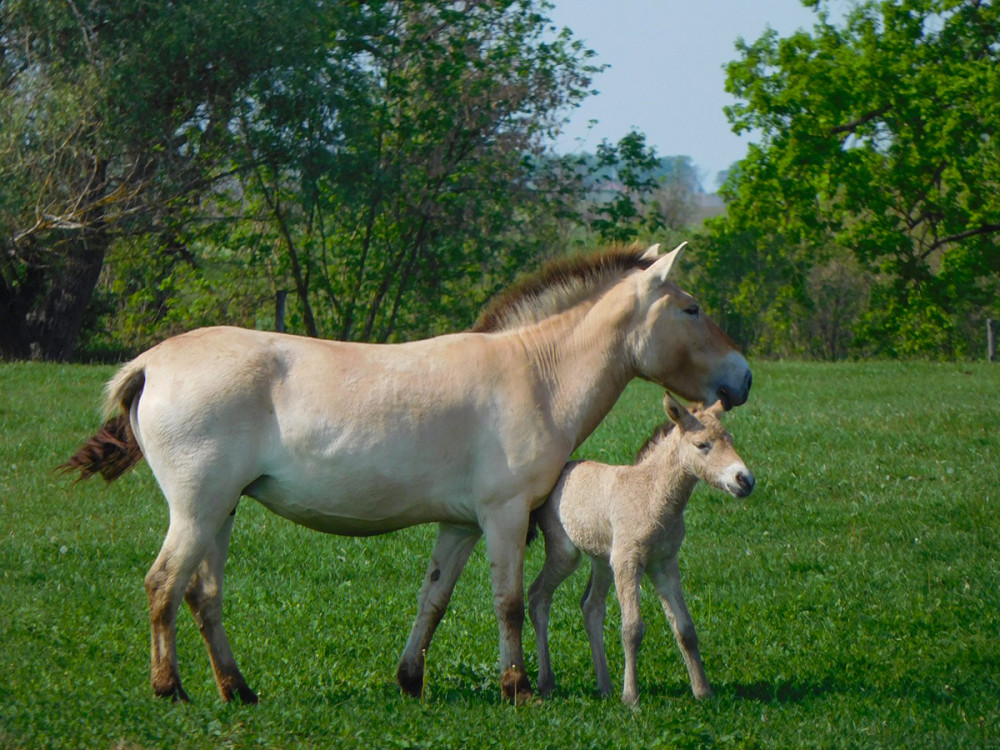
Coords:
pixel 624 172
pixel 397 213
pixel 115 123
pixel 878 135
pixel 379 159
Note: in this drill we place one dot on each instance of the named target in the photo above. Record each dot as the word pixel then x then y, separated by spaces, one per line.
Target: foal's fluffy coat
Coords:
pixel 630 520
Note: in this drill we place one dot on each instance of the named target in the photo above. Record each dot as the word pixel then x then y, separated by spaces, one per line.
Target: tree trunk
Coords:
pixel 69 298
pixel 43 309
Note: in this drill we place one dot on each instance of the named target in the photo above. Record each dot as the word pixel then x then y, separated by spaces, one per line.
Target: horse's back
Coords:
pixel 345 437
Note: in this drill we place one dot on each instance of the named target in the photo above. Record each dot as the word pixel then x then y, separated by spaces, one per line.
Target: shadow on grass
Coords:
pixel 786 692
pixel 779 692
pixel 762 692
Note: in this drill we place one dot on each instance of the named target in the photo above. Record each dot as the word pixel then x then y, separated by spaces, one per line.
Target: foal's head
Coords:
pixel 706 450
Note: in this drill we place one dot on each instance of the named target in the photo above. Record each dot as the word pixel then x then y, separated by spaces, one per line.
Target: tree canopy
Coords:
pixel 114 122
pixel 373 158
pixel 872 191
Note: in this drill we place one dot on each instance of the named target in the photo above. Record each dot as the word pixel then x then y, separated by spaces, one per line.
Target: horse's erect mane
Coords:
pixel 558 286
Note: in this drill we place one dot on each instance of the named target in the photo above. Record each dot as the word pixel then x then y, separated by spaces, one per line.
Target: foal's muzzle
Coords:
pixel 746 483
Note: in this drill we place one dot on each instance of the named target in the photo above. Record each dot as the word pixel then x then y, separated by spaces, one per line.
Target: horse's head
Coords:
pixel 706 450
pixel 676 345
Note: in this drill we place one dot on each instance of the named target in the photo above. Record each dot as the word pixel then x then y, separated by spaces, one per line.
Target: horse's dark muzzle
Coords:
pixel 737 396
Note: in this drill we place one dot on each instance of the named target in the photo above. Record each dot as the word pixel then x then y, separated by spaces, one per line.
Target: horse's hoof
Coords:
pixel 242 691
pixel 410 681
pixel 174 693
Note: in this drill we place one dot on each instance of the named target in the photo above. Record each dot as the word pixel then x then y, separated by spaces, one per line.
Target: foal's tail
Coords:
pixel 114 449
pixel 532 527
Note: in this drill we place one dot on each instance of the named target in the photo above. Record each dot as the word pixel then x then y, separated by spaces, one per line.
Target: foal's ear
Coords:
pixel 717 409
pixel 680 416
pixel 660 270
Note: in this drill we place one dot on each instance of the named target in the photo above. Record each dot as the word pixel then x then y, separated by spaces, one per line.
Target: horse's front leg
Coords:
pixel 594 606
pixel 628 575
pixel 451 551
pixel 506 530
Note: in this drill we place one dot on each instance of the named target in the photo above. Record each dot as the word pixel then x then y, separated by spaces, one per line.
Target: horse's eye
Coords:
pixel 704 447
pixel 692 310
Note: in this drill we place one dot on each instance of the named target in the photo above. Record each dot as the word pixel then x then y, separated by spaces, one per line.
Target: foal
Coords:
pixel 630 520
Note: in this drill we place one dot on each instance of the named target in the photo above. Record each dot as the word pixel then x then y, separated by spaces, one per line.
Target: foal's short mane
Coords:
pixel 558 286
pixel 653 440
pixel 661 432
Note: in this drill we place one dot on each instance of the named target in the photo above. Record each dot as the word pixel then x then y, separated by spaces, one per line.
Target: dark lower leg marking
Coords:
pixel 515 685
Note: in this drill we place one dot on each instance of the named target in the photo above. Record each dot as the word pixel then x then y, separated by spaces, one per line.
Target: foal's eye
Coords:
pixel 703 447
pixel 692 310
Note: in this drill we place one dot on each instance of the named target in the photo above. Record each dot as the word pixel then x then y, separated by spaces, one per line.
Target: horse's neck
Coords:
pixel 670 482
pixel 579 359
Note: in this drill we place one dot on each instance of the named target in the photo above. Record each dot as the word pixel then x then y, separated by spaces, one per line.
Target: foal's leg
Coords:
pixel 561 559
pixel 204 597
pixel 667 580
pixel 628 576
pixel 451 551
pixel 506 529
pixel 594 605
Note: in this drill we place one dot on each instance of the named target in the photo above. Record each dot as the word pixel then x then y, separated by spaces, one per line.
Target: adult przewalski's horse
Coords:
pixel 468 430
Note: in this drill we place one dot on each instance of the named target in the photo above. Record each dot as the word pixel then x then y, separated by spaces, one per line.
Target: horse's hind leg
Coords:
pixel 204 597
pixel 452 548
pixel 189 539
pixel 166 582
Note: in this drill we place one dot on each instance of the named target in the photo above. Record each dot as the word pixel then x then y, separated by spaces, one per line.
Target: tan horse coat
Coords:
pixel 630 521
pixel 468 430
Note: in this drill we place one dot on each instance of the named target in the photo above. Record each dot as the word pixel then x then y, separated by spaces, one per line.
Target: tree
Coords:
pixel 398 212
pixel 114 122
pixel 380 159
pixel 632 193
pixel 881 136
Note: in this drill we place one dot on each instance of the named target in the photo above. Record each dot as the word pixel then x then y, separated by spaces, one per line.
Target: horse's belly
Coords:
pixel 354 510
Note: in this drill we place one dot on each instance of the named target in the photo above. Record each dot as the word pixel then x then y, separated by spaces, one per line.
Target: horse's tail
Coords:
pixel 114 449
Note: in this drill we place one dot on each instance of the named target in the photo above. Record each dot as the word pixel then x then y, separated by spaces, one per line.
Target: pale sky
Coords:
pixel 666 74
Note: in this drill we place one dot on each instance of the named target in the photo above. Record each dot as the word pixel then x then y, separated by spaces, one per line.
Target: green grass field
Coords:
pixel 852 601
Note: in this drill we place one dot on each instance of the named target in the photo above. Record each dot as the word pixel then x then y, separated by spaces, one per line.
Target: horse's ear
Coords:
pixel 652 252
pixel 660 270
pixel 680 416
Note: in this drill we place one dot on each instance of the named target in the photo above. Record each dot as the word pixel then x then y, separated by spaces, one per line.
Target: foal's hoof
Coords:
pixel 411 681
pixel 515 686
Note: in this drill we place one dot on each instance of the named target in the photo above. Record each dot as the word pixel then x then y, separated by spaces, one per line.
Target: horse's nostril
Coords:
pixel 745 481
pixel 725 398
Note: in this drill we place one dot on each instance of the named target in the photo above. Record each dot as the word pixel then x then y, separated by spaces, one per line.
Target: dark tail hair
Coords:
pixel 532 527
pixel 110 453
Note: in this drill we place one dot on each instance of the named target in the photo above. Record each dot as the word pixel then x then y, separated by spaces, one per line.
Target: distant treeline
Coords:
pixel 388 164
